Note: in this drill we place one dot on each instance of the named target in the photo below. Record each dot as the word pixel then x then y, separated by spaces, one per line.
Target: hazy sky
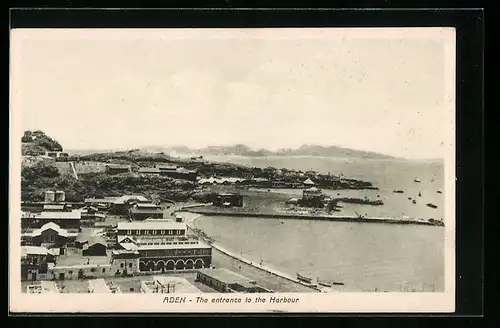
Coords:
pixel 127 89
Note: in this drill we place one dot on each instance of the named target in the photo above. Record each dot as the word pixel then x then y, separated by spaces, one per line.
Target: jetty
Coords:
pixel 318 217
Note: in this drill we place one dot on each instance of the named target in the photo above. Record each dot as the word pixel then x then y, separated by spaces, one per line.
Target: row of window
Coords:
pixel 169 243
pixel 155 232
pixel 176 252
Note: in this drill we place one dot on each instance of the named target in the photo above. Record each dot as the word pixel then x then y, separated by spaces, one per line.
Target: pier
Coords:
pixel 337 218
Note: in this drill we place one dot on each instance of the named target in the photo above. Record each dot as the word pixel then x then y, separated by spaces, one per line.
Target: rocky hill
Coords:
pixel 37 143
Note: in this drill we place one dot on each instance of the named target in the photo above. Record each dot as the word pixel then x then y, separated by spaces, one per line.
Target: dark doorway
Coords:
pixel 80 274
pixel 61 276
pixel 33 276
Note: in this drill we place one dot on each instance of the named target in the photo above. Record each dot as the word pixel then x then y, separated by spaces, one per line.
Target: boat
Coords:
pixel 338 283
pixel 324 283
pixel 303 278
pixel 419 194
pixel 417 180
pixel 431 205
pixel 439 192
pixel 398 191
pixel 414 201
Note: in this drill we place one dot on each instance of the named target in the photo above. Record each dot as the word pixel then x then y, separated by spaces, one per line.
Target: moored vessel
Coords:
pixel 304 278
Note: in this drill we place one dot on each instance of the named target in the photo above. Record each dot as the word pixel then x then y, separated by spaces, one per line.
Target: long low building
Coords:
pixel 227 281
pixel 65 220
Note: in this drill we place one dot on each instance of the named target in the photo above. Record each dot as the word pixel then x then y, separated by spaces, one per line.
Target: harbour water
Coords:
pixel 365 257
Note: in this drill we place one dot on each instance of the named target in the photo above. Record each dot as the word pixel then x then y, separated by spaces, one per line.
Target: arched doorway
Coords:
pixel 160 266
pixel 180 265
pixel 142 266
pixel 198 264
pixel 170 265
pixel 150 265
pixel 189 264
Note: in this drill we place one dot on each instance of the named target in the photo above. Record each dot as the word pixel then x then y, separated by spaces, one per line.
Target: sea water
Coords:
pixel 363 256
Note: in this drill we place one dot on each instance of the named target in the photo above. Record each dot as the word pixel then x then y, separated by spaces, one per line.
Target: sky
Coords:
pixel 97 89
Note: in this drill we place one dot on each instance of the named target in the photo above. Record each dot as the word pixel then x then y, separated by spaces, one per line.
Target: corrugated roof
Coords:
pixel 153 224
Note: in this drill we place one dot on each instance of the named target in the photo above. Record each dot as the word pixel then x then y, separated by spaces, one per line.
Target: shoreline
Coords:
pixel 334 218
pixel 233 255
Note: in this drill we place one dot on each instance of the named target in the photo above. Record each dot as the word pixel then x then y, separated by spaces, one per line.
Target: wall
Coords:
pixel 89 271
pixel 120 265
pixel 211 282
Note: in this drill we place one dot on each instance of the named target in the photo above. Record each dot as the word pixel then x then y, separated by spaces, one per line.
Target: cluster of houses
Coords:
pixel 143 243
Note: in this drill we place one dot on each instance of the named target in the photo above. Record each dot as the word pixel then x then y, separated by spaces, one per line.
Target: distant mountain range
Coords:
pixel 243 150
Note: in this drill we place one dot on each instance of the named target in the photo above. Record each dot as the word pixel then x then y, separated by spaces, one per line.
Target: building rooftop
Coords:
pixel 146 205
pixel 126 198
pixel 227 276
pixel 124 252
pixel 166 167
pixel 152 225
pixel 49 207
pixel 53 226
pixel 149 170
pixel 33 250
pixel 73 215
pixel 136 210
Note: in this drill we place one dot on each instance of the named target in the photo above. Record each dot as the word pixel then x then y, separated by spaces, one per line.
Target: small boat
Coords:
pixel 419 194
pixel 417 180
pixel 431 205
pixel 409 198
pixel 304 279
pixel 399 191
pixel 338 283
pixel 324 283
pixel 414 201
pixel 439 192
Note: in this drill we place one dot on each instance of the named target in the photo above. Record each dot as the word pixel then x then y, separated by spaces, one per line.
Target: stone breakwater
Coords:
pixel 337 218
